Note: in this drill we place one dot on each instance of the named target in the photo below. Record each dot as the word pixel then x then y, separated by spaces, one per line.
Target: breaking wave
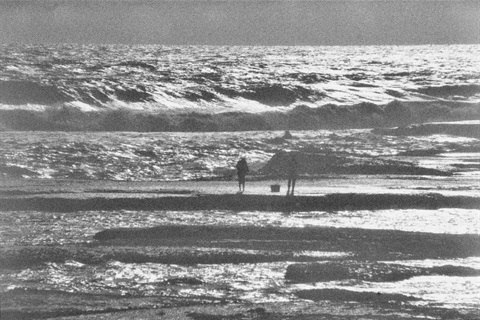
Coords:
pixel 24 93
pixel 66 117
pixel 451 91
pixel 158 88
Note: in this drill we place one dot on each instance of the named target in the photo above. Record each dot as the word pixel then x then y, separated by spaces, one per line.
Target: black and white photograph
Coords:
pixel 240 159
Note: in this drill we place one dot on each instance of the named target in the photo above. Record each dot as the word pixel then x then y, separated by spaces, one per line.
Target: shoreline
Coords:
pixel 327 194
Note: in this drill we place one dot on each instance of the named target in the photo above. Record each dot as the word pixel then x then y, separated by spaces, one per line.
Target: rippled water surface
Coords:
pixel 186 156
pixel 213 79
pixel 40 228
pixel 54 256
pixel 259 282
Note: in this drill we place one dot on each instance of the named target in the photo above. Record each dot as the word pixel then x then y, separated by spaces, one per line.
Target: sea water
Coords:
pixel 131 156
pixel 62 268
pixel 97 272
pixel 60 259
pixel 213 79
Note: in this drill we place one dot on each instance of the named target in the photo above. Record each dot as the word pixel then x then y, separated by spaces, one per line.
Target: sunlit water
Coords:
pixel 253 282
pixel 222 78
pixel 40 228
pixel 184 156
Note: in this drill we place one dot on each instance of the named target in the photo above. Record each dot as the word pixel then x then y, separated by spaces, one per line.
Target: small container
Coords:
pixel 275 187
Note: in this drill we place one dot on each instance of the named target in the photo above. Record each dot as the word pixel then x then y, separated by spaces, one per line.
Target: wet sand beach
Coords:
pixel 339 193
pixel 199 250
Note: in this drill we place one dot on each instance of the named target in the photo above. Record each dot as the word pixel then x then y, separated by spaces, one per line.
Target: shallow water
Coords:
pixel 248 282
pixel 53 258
pixel 185 156
pixel 449 292
pixel 40 228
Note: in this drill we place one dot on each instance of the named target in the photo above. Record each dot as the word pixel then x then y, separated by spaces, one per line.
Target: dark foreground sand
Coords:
pixel 277 311
pixel 311 310
pixel 348 201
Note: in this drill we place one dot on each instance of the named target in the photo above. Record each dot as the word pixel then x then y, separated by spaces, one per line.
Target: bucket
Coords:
pixel 275 187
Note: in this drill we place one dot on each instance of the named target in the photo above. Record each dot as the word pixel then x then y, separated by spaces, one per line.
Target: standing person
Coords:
pixel 242 170
pixel 292 173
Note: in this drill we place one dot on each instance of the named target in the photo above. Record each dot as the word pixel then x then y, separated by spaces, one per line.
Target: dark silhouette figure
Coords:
pixel 242 170
pixel 287 135
pixel 292 173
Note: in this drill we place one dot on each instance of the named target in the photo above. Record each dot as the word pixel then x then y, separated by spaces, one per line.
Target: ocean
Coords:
pixel 232 88
pixel 84 177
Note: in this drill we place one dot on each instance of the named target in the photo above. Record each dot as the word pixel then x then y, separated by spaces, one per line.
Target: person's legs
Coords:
pixel 241 182
pixel 288 186
pixel 293 186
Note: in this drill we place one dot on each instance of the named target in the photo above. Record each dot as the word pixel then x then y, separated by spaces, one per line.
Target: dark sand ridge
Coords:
pixel 187 244
pixel 366 244
pixel 329 202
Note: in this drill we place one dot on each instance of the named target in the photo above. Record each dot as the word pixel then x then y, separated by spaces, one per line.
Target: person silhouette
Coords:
pixel 242 170
pixel 292 173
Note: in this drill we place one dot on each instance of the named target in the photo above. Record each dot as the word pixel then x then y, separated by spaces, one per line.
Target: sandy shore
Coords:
pixel 321 185
pixel 339 193
pixel 187 245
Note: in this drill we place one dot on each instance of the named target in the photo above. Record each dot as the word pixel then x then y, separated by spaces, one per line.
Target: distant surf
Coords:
pixel 201 88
